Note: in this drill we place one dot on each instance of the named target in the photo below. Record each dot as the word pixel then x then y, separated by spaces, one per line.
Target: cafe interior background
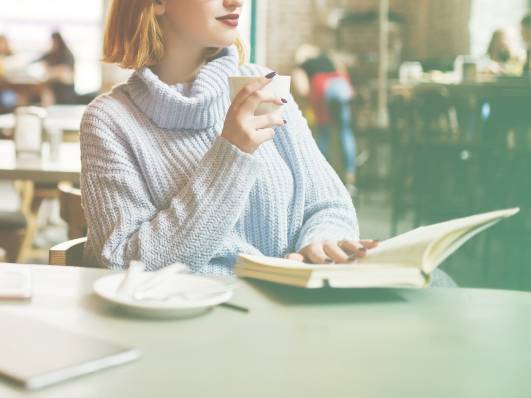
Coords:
pixel 441 127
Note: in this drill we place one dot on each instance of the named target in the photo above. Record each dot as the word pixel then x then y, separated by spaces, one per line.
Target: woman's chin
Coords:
pixel 226 40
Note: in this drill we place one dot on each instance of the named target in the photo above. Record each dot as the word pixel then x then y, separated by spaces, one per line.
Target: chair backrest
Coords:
pixel 72 210
pixel 68 253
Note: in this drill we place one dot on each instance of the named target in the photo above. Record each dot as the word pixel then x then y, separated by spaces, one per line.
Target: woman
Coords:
pixel 60 62
pixel 525 32
pixel 499 48
pixel 172 172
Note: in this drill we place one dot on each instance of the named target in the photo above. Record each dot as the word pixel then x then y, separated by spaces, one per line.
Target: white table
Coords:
pixel 295 343
pixel 43 169
pixel 65 117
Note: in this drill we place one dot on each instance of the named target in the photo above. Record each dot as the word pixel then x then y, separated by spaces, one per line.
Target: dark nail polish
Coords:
pixel 363 249
pixel 271 75
pixel 285 121
pixel 284 100
pixel 352 257
pixel 328 260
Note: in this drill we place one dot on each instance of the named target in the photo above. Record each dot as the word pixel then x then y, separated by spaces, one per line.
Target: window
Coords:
pixel 490 15
pixel 244 26
pixel 254 29
pixel 29 23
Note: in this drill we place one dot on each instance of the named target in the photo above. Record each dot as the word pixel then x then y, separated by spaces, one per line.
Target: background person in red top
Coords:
pixel 330 95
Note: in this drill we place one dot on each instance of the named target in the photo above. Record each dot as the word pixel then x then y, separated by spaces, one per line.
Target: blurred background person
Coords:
pixel 499 48
pixel 525 29
pixel 59 62
pixel 5 48
pixel 8 98
pixel 325 82
pixel 502 56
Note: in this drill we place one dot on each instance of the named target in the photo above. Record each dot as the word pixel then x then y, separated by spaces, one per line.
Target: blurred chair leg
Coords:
pixel 27 190
pixel 27 240
pixel 12 242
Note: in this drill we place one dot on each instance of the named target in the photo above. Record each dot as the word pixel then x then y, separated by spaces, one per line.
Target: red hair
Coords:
pixel 133 37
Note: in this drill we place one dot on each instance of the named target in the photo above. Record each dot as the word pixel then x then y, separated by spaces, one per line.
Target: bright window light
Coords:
pixel 29 23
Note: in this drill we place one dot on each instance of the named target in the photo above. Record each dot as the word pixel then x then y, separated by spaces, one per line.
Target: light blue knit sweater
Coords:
pixel 159 184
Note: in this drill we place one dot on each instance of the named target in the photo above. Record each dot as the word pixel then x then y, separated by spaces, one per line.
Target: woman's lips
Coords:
pixel 229 20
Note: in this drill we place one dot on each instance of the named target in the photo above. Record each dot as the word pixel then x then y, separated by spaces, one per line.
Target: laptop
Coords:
pixel 35 354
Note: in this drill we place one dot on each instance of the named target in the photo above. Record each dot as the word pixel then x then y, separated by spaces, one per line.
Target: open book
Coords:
pixel 406 260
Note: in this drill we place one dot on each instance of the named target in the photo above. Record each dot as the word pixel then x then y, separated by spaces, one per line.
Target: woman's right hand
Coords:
pixel 242 128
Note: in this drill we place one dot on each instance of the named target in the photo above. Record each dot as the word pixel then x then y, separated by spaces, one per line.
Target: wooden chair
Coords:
pixel 72 210
pixel 70 252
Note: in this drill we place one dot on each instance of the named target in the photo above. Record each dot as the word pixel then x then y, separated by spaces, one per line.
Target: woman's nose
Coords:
pixel 233 3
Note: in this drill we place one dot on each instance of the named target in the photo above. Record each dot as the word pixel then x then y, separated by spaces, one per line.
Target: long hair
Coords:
pixel 499 49
pixel 59 51
pixel 133 37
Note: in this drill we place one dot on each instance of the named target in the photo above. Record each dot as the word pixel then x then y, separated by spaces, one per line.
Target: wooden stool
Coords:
pixel 12 232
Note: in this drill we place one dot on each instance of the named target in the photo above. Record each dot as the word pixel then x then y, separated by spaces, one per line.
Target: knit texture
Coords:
pixel 161 185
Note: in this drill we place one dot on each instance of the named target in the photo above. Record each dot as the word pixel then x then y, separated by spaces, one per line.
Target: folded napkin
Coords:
pixel 137 281
pixel 163 285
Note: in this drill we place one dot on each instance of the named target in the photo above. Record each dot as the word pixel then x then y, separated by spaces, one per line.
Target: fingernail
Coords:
pixel 328 260
pixel 271 75
pixel 363 249
pixel 285 121
pixel 284 100
pixel 352 257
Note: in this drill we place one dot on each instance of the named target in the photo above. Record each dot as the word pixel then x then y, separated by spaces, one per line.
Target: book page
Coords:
pixel 445 247
pixel 352 275
pixel 426 247
pixel 295 267
pixel 406 249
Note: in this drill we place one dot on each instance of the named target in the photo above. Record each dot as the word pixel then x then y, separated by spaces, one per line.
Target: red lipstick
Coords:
pixel 229 19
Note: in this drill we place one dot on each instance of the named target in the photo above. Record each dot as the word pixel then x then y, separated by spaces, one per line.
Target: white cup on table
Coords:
pixel 55 138
pixel 28 130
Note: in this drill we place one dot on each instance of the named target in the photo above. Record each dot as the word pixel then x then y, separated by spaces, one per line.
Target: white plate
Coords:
pixel 107 288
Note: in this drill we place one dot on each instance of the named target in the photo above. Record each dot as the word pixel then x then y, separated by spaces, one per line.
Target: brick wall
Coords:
pixel 432 28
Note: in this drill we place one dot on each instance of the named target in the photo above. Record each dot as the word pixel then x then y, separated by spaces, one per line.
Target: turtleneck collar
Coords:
pixel 181 107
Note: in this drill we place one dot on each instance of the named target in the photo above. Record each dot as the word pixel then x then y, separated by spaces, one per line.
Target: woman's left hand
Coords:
pixel 328 252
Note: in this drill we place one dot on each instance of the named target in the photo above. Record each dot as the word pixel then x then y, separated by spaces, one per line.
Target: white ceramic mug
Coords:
pixel 279 87
pixel 55 138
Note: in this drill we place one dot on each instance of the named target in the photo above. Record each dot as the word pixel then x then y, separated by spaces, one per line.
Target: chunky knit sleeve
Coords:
pixel 124 223
pixel 328 210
